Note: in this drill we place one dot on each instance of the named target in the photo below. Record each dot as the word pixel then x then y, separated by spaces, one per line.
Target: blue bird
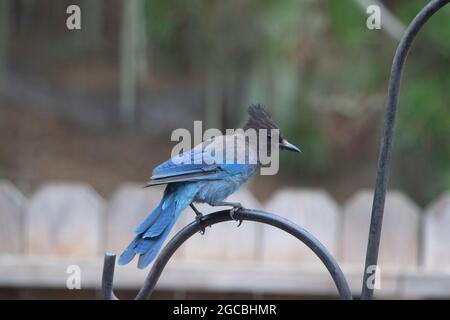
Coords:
pixel 198 176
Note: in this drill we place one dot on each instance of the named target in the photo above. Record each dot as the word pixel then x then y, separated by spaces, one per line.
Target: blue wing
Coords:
pixel 193 165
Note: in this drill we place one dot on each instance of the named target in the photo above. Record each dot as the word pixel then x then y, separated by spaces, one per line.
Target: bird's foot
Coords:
pixel 233 212
pixel 236 206
pixel 198 219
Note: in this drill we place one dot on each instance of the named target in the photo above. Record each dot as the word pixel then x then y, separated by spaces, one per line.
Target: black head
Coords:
pixel 259 118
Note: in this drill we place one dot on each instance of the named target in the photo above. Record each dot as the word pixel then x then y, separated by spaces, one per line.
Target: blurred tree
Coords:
pixel 424 114
pixel 133 56
pixel 92 24
pixel 4 35
pixel 315 64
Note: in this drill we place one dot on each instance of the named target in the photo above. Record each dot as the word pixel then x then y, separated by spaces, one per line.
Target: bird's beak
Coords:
pixel 284 144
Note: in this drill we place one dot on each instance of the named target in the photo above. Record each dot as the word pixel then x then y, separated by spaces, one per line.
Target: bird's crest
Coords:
pixel 259 118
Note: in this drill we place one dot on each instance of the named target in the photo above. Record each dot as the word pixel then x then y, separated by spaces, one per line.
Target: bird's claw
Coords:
pixel 232 213
pixel 199 219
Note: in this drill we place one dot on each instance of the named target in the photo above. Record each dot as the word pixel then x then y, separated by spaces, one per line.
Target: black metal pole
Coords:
pixel 222 216
pixel 387 139
pixel 108 276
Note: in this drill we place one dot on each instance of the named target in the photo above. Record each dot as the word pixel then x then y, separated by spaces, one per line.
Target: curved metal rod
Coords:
pixel 386 141
pixel 218 217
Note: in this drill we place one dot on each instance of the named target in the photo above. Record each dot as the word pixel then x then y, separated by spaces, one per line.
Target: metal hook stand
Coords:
pixel 384 158
pixel 291 228
pixel 218 217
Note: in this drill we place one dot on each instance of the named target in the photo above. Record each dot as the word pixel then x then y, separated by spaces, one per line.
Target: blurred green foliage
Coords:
pixel 292 52
pixel 422 154
pixel 315 64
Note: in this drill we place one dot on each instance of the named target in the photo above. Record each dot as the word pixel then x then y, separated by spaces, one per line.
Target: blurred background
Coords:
pixel 86 114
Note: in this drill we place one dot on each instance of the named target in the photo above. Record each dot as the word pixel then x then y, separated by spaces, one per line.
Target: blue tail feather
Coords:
pixel 165 218
pixel 143 245
pixel 129 252
pixel 150 235
pixel 150 220
pixel 147 258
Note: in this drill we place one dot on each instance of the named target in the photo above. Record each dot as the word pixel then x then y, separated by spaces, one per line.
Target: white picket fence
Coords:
pixel 65 224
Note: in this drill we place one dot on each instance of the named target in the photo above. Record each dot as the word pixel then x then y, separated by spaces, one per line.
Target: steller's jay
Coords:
pixel 201 179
